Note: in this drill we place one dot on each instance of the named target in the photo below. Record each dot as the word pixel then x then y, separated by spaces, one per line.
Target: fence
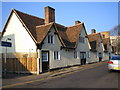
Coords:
pixel 20 65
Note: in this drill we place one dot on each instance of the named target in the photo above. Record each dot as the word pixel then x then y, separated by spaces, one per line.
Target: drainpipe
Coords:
pixel 38 62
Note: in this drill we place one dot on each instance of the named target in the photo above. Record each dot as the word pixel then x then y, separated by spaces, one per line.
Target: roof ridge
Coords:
pixel 94 33
pixel 45 24
pixel 105 38
pixel 27 14
pixel 61 25
pixel 75 25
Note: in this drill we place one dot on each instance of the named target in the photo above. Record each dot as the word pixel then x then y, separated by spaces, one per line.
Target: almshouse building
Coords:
pixel 39 45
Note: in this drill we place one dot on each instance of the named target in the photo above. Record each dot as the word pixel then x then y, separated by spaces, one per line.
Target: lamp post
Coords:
pixel 6 57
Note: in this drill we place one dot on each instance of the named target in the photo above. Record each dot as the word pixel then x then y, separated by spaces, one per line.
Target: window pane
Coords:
pixel 48 38
pixel 51 39
pixel 44 56
pixel 56 55
pixel 82 39
pixel 75 54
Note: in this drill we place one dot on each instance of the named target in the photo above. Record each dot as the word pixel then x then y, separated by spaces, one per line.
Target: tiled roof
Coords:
pixel 73 32
pixel 30 21
pixel 38 29
pixel 93 44
pixel 93 39
pixel 69 35
pixel 106 43
pixel 41 31
pixel 62 32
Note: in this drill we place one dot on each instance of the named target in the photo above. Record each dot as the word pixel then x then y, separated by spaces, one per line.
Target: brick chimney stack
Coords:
pixel 77 22
pixel 93 31
pixel 49 14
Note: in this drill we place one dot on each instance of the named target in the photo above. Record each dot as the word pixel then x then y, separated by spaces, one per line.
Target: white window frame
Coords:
pixel 45 60
pixel 82 39
pixel 55 53
pixel 76 54
pixel 88 54
pixel 50 39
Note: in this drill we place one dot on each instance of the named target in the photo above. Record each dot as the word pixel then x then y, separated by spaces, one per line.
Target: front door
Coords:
pixel 83 58
pixel 100 56
pixel 45 61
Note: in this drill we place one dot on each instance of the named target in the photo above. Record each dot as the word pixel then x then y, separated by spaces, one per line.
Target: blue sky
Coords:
pixel 102 16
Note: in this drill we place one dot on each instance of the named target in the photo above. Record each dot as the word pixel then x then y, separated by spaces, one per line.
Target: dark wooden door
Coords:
pixel 100 56
pixel 83 58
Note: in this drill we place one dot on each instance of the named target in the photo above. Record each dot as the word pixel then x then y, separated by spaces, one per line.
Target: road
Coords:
pixel 97 77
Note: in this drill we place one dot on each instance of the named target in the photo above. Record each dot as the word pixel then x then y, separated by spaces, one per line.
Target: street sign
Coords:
pixel 6 44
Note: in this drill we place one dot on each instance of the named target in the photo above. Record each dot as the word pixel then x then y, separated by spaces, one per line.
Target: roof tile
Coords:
pixel 39 29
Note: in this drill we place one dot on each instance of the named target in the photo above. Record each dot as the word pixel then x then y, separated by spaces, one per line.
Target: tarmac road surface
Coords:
pixel 97 77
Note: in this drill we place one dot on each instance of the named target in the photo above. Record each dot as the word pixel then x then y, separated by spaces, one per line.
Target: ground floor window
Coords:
pixel 88 54
pixel 75 54
pixel 56 55
pixel 97 55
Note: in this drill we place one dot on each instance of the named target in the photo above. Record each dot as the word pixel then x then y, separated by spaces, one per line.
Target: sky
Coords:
pixel 102 16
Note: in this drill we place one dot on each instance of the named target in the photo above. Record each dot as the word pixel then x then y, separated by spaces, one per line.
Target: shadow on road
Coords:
pixel 14 75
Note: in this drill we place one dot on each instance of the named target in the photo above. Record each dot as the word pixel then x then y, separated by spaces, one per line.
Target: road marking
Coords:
pixel 17 84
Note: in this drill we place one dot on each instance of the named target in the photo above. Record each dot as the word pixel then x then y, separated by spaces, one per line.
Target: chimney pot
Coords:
pixel 49 14
pixel 77 22
pixel 93 31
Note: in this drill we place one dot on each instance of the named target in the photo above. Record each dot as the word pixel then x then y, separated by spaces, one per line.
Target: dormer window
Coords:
pixel 82 39
pixel 50 39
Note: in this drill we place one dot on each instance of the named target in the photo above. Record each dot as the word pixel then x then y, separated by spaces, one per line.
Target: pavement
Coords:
pixel 19 79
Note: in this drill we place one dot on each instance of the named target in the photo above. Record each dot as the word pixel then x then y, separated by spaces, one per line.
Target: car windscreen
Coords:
pixel 115 58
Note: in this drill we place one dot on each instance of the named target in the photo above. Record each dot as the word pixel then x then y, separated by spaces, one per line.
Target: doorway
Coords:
pixel 100 57
pixel 83 58
pixel 45 61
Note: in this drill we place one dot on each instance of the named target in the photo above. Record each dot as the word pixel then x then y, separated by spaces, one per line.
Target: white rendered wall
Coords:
pixel 83 47
pixel 21 40
pixel 94 56
pixel 66 57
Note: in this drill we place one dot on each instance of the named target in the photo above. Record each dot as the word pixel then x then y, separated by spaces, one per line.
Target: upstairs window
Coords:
pixel 56 55
pixel 82 39
pixel 50 39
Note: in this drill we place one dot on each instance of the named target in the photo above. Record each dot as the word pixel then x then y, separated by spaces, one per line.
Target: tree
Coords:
pixel 116 33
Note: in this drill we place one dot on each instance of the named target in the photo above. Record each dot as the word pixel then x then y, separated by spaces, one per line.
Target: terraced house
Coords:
pixel 97 48
pixel 100 46
pixel 107 45
pixel 39 45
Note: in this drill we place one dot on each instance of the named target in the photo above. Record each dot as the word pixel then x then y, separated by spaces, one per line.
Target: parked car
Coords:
pixel 114 63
